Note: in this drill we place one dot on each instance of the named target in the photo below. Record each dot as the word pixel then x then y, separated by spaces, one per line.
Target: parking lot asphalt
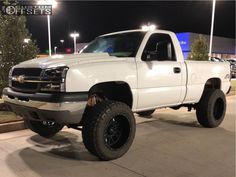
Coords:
pixel 170 144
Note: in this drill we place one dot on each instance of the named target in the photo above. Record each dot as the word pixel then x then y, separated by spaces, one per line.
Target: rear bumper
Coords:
pixel 63 108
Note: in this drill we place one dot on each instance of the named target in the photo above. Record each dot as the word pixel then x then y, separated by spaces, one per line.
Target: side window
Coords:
pixel 159 48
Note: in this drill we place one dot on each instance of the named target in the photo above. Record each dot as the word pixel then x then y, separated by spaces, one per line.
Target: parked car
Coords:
pixel 232 67
pixel 216 59
pixel 114 76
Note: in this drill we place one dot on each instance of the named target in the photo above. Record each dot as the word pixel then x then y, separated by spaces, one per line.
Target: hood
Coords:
pixel 68 60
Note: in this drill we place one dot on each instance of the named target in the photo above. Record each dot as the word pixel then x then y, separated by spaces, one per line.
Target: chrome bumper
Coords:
pixel 64 106
pixel 62 112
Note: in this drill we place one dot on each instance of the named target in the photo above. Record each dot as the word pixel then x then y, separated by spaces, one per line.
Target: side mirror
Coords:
pixel 149 55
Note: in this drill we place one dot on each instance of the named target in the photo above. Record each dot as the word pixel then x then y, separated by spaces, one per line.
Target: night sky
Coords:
pixel 91 19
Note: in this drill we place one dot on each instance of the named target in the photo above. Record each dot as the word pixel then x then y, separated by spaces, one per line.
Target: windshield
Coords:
pixel 119 45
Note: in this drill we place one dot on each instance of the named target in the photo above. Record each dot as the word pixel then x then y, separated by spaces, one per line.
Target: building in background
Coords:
pixel 221 47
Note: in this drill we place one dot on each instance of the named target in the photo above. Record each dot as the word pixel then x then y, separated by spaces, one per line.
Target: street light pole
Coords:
pixel 53 3
pixel 74 45
pixel 212 26
pixel 74 36
pixel 55 50
pixel 62 41
pixel 49 37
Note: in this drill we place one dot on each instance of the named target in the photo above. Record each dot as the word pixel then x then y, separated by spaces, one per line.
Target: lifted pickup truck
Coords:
pixel 118 74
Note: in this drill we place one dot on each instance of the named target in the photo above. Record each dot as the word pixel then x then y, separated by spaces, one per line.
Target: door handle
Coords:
pixel 177 70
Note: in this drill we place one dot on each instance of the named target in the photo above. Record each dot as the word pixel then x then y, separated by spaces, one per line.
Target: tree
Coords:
pixel 199 49
pixel 13 49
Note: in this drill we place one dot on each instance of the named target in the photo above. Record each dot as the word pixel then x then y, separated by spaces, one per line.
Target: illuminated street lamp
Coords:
pixel 26 40
pixel 74 36
pixel 212 26
pixel 149 27
pixel 62 41
pixel 53 3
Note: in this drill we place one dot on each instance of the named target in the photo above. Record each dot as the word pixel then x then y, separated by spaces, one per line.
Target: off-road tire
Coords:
pixel 43 130
pixel 108 129
pixel 146 113
pixel 211 108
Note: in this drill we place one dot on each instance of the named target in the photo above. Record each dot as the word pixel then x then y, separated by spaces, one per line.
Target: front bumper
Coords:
pixel 63 108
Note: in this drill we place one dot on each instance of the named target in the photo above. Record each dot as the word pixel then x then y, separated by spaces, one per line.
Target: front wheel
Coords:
pixel 109 129
pixel 43 128
pixel 211 108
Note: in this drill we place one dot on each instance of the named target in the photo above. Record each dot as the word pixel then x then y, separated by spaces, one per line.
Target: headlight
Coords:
pixel 9 77
pixel 53 79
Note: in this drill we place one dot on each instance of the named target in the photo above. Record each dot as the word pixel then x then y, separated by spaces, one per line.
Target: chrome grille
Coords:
pixel 234 68
pixel 29 73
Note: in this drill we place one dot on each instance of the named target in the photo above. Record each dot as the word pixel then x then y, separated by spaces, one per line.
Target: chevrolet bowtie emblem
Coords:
pixel 20 79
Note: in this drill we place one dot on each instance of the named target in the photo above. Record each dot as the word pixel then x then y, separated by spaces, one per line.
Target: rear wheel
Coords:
pixel 109 129
pixel 211 108
pixel 43 128
pixel 146 113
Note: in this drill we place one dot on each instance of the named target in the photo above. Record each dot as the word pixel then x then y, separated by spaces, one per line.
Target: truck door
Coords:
pixel 159 73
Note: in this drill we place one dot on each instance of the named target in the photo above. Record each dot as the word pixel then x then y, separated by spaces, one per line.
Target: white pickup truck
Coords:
pixel 118 74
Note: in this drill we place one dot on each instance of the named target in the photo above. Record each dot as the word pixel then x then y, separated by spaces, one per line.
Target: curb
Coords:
pixel 12 126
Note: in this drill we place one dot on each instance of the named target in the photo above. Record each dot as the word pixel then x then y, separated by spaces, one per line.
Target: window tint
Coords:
pixel 119 45
pixel 160 48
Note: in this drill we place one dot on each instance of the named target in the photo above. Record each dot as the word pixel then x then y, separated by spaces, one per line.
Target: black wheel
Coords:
pixel 108 129
pixel 146 113
pixel 211 108
pixel 43 128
